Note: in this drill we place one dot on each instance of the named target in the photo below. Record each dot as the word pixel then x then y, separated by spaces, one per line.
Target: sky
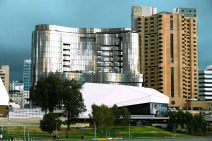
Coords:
pixel 19 17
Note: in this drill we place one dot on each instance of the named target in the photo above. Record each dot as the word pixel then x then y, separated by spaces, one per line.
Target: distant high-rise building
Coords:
pixel 169 54
pixel 27 74
pixel 4 74
pixel 140 10
pixel 104 55
pixel 205 84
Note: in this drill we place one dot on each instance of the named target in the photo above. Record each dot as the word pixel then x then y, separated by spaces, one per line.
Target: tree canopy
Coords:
pixel 50 123
pixel 51 92
pixel 105 117
pixel 72 100
pixel 185 120
pixel 47 93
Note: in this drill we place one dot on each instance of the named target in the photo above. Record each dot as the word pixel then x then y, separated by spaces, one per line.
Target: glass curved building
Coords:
pixel 104 55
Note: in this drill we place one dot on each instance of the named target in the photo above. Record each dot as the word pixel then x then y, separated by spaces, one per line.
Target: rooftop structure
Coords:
pixel 188 12
pixel 140 10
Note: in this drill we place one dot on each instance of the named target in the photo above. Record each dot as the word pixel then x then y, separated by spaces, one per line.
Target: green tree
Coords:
pixel 194 124
pixel 188 121
pixel 172 123
pixel 72 100
pixel 117 114
pixel 180 119
pixel 47 93
pixel 125 114
pixel 199 124
pixel 50 123
pixel 122 115
pixel 103 116
pixel 38 94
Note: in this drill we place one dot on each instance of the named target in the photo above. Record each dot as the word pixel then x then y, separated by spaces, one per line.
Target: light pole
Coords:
pixel 207 127
pixel 56 131
pixel 24 133
pixel 1 134
pixel 129 129
pixel 95 130
pixel 28 136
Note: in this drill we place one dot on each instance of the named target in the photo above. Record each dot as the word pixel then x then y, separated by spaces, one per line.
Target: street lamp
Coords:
pixel 95 130
pixel 129 129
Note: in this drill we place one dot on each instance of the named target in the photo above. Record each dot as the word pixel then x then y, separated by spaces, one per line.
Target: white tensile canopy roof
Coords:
pixel 4 97
pixel 121 95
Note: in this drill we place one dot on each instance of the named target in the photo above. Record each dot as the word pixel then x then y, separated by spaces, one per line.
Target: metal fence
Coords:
pixel 26 113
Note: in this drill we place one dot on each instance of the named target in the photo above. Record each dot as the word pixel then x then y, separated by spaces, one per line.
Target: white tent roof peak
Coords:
pixel 4 97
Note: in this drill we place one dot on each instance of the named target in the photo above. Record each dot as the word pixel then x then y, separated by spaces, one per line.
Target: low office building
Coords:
pixel 17 93
pixel 205 84
pixel 143 103
pixel 16 86
pixel 16 97
pixel 4 100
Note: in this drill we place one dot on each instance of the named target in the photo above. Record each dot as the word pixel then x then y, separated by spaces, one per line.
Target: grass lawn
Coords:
pixel 116 131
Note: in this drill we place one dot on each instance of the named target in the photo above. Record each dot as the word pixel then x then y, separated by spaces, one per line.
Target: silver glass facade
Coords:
pixel 87 54
pixel 102 77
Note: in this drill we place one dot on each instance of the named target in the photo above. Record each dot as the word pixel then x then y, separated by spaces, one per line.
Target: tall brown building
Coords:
pixel 4 74
pixel 169 55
